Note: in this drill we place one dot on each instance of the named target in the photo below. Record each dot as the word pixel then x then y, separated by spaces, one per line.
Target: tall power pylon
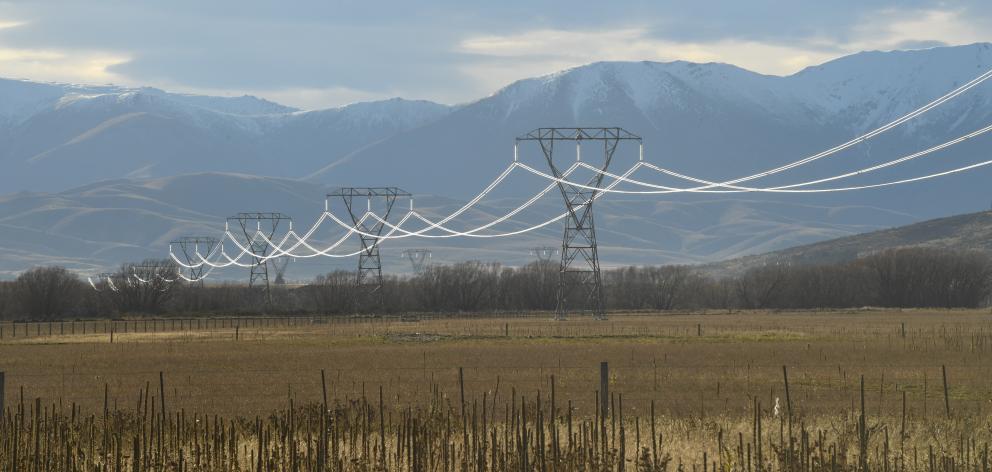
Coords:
pixel 265 223
pixel 420 259
pixel 279 265
pixel 579 269
pixel 544 253
pixel 369 263
pixel 190 247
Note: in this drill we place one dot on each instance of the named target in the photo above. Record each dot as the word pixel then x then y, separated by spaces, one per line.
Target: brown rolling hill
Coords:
pixel 970 231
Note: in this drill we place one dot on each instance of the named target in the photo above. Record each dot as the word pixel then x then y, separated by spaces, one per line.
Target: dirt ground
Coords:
pixel 691 365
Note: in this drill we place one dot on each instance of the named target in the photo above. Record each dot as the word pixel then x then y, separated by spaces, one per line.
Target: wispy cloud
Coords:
pixel 897 28
pixel 4 24
pixel 504 58
pixel 60 66
pixel 500 59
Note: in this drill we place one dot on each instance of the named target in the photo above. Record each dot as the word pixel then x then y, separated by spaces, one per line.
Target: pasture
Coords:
pixel 750 390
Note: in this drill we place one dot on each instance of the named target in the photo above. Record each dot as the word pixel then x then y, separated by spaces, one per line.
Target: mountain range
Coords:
pixel 96 175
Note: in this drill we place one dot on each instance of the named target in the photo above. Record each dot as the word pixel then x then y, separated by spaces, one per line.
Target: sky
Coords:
pixel 320 54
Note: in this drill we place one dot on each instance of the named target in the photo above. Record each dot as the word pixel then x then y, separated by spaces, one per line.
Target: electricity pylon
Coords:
pixel 579 268
pixel 190 247
pixel 420 259
pixel 265 224
pixel 369 263
pixel 279 265
pixel 544 253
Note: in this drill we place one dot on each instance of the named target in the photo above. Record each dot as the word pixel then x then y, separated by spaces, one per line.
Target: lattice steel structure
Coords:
pixel 107 279
pixel 266 223
pixel 279 265
pixel 420 259
pixel 190 247
pixel 544 253
pixel 578 274
pixel 369 263
pixel 154 269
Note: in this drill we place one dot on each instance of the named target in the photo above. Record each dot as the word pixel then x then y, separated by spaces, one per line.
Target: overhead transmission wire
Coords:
pixel 352 229
pixel 727 185
pixel 735 189
pixel 325 252
pixel 909 116
pixel 791 188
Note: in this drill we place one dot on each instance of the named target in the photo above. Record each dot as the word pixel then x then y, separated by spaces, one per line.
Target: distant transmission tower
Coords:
pixel 190 247
pixel 151 270
pixel 579 269
pixel 251 225
pixel 544 253
pixel 107 279
pixel 369 263
pixel 279 265
pixel 420 259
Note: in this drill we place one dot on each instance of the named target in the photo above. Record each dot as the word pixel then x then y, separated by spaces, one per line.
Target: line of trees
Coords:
pixel 916 277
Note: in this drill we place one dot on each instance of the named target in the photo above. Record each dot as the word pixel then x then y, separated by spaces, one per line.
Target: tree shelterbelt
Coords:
pixel 911 277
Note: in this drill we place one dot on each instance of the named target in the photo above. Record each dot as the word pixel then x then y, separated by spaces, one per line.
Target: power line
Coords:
pixel 372 236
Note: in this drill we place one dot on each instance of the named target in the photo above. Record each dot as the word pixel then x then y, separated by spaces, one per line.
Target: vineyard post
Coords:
pixel 1 394
pixel 604 387
pixel 323 387
pixel 947 401
pixel 161 393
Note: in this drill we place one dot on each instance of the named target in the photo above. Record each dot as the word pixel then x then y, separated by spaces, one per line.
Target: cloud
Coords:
pixel 500 59
pixel 899 29
pixel 60 66
pixel 320 52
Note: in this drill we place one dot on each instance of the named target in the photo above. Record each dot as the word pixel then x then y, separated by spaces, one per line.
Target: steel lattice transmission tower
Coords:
pixel 544 253
pixel 578 274
pixel 107 279
pixel 252 225
pixel 419 259
pixel 147 270
pixel 280 264
pixel 190 247
pixel 369 263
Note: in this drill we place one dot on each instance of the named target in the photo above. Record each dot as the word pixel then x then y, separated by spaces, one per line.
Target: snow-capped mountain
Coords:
pixel 718 121
pixel 714 121
pixel 56 136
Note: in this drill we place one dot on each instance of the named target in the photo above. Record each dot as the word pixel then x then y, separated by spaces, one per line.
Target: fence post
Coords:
pixel 604 387
pixel 947 401
pixel 161 393
pixel 1 394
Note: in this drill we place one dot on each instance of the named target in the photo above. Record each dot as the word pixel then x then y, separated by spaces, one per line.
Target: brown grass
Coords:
pixel 705 372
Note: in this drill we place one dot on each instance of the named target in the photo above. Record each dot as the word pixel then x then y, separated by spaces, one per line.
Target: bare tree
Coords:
pixel 144 287
pixel 466 286
pixel 760 287
pixel 332 293
pixel 923 277
pixel 47 292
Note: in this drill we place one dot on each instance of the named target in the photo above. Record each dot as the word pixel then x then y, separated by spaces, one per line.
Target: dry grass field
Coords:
pixel 708 376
